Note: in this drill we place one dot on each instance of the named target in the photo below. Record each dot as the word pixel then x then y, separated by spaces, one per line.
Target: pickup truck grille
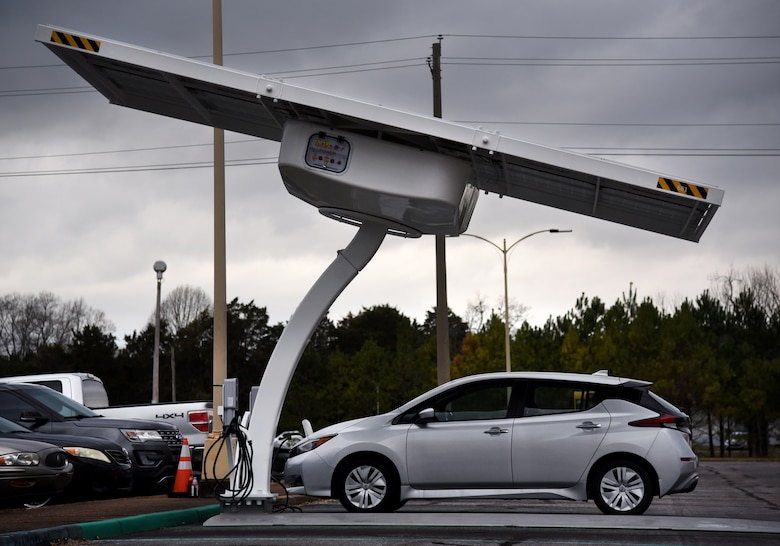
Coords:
pixel 120 456
pixel 172 437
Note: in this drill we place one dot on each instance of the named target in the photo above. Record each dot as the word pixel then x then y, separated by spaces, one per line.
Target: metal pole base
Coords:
pixel 245 513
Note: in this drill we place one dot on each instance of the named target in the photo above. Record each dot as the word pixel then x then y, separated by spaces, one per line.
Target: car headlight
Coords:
pixel 19 459
pixel 307 445
pixel 88 453
pixel 136 435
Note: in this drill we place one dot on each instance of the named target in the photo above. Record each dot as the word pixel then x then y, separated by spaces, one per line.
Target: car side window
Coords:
pixel 12 407
pixel 485 402
pixel 551 398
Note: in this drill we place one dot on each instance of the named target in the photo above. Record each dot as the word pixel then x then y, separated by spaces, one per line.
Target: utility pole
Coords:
pixel 442 318
pixel 220 282
pixel 216 459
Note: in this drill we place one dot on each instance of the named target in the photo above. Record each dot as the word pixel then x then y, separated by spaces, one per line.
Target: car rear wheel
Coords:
pixel 367 485
pixel 622 487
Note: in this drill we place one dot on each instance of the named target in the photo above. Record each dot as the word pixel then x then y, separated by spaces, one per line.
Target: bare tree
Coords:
pixel 726 288
pixel 29 322
pixel 477 313
pixel 762 282
pixel 517 311
pixel 183 305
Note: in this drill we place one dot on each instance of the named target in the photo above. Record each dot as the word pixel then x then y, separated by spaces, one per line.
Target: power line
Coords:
pixel 263 52
pixel 715 152
pixel 430 36
pixel 51 91
pixel 308 48
pixel 335 70
pixel 648 152
pixel 141 168
pixel 616 62
pixel 772 58
pixel 125 150
pixel 608 124
pixel 596 150
pixel 416 60
pixel 619 38
pixel 281 74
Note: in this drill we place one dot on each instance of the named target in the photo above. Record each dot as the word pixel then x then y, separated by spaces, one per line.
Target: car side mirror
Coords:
pixel 426 416
pixel 33 419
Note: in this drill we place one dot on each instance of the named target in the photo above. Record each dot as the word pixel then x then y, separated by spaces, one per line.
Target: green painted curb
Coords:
pixel 146 522
pixel 110 527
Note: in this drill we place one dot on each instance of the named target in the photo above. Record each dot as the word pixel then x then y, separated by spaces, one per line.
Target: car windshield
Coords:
pixel 59 403
pixel 7 426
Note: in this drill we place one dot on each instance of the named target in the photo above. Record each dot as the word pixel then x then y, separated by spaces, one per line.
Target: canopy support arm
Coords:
pixel 284 360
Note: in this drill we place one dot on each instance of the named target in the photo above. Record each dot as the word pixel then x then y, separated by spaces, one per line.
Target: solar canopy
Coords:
pixel 256 105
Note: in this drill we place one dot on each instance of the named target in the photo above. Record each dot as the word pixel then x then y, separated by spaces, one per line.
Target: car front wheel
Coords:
pixel 622 487
pixel 367 485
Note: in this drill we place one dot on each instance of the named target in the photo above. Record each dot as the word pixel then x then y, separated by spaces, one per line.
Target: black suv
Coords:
pixel 154 446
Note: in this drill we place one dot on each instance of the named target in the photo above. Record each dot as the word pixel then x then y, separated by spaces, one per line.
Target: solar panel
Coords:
pixel 256 105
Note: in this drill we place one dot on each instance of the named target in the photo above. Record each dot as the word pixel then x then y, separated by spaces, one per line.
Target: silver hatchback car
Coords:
pixel 521 435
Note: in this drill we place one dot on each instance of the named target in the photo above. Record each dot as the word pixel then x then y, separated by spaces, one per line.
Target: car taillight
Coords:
pixel 199 420
pixel 664 421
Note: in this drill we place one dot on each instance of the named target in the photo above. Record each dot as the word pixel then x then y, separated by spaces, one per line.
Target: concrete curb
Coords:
pixel 110 527
pixel 125 525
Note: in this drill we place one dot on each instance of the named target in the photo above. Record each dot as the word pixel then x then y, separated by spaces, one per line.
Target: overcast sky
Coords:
pixel 684 88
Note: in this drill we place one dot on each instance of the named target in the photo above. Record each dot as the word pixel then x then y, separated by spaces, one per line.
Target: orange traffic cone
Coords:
pixel 181 487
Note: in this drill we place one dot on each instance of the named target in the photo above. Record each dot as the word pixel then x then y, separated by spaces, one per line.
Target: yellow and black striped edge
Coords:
pixel 75 41
pixel 683 187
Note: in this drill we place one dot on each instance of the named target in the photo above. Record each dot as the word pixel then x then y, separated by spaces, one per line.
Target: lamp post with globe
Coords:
pixel 159 267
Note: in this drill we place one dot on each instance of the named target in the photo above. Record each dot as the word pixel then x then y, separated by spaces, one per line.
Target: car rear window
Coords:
pixel 94 394
pixel 656 403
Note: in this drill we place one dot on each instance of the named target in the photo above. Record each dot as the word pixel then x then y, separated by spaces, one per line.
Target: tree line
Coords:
pixel 715 356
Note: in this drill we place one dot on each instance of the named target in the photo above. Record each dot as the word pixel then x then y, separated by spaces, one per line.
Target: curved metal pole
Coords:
pixel 276 380
pixel 505 251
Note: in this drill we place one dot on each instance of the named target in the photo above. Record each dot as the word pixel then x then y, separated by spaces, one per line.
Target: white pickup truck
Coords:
pixel 193 419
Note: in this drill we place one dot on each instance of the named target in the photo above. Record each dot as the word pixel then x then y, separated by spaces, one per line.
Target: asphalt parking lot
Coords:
pixel 738 496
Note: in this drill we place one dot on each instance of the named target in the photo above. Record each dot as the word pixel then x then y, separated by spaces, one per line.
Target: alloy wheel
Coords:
pixel 622 489
pixel 365 487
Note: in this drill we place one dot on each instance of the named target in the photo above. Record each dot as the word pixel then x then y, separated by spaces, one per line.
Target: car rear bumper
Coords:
pixel 685 484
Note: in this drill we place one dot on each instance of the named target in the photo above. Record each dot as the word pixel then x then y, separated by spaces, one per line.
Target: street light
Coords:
pixel 505 251
pixel 160 267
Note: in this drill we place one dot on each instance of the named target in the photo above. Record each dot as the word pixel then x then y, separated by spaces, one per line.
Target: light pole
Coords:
pixel 159 267
pixel 505 251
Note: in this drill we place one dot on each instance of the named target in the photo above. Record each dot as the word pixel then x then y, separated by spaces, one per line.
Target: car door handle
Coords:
pixel 495 431
pixel 589 425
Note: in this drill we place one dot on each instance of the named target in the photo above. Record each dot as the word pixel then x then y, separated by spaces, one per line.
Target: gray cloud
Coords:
pixel 96 235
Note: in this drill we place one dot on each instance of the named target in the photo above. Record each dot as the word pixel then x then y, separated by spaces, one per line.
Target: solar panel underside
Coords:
pixel 254 105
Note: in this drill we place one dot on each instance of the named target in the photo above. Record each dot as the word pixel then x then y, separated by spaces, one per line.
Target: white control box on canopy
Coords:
pixel 354 178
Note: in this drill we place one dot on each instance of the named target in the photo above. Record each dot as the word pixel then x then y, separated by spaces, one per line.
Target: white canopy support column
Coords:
pixel 267 408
